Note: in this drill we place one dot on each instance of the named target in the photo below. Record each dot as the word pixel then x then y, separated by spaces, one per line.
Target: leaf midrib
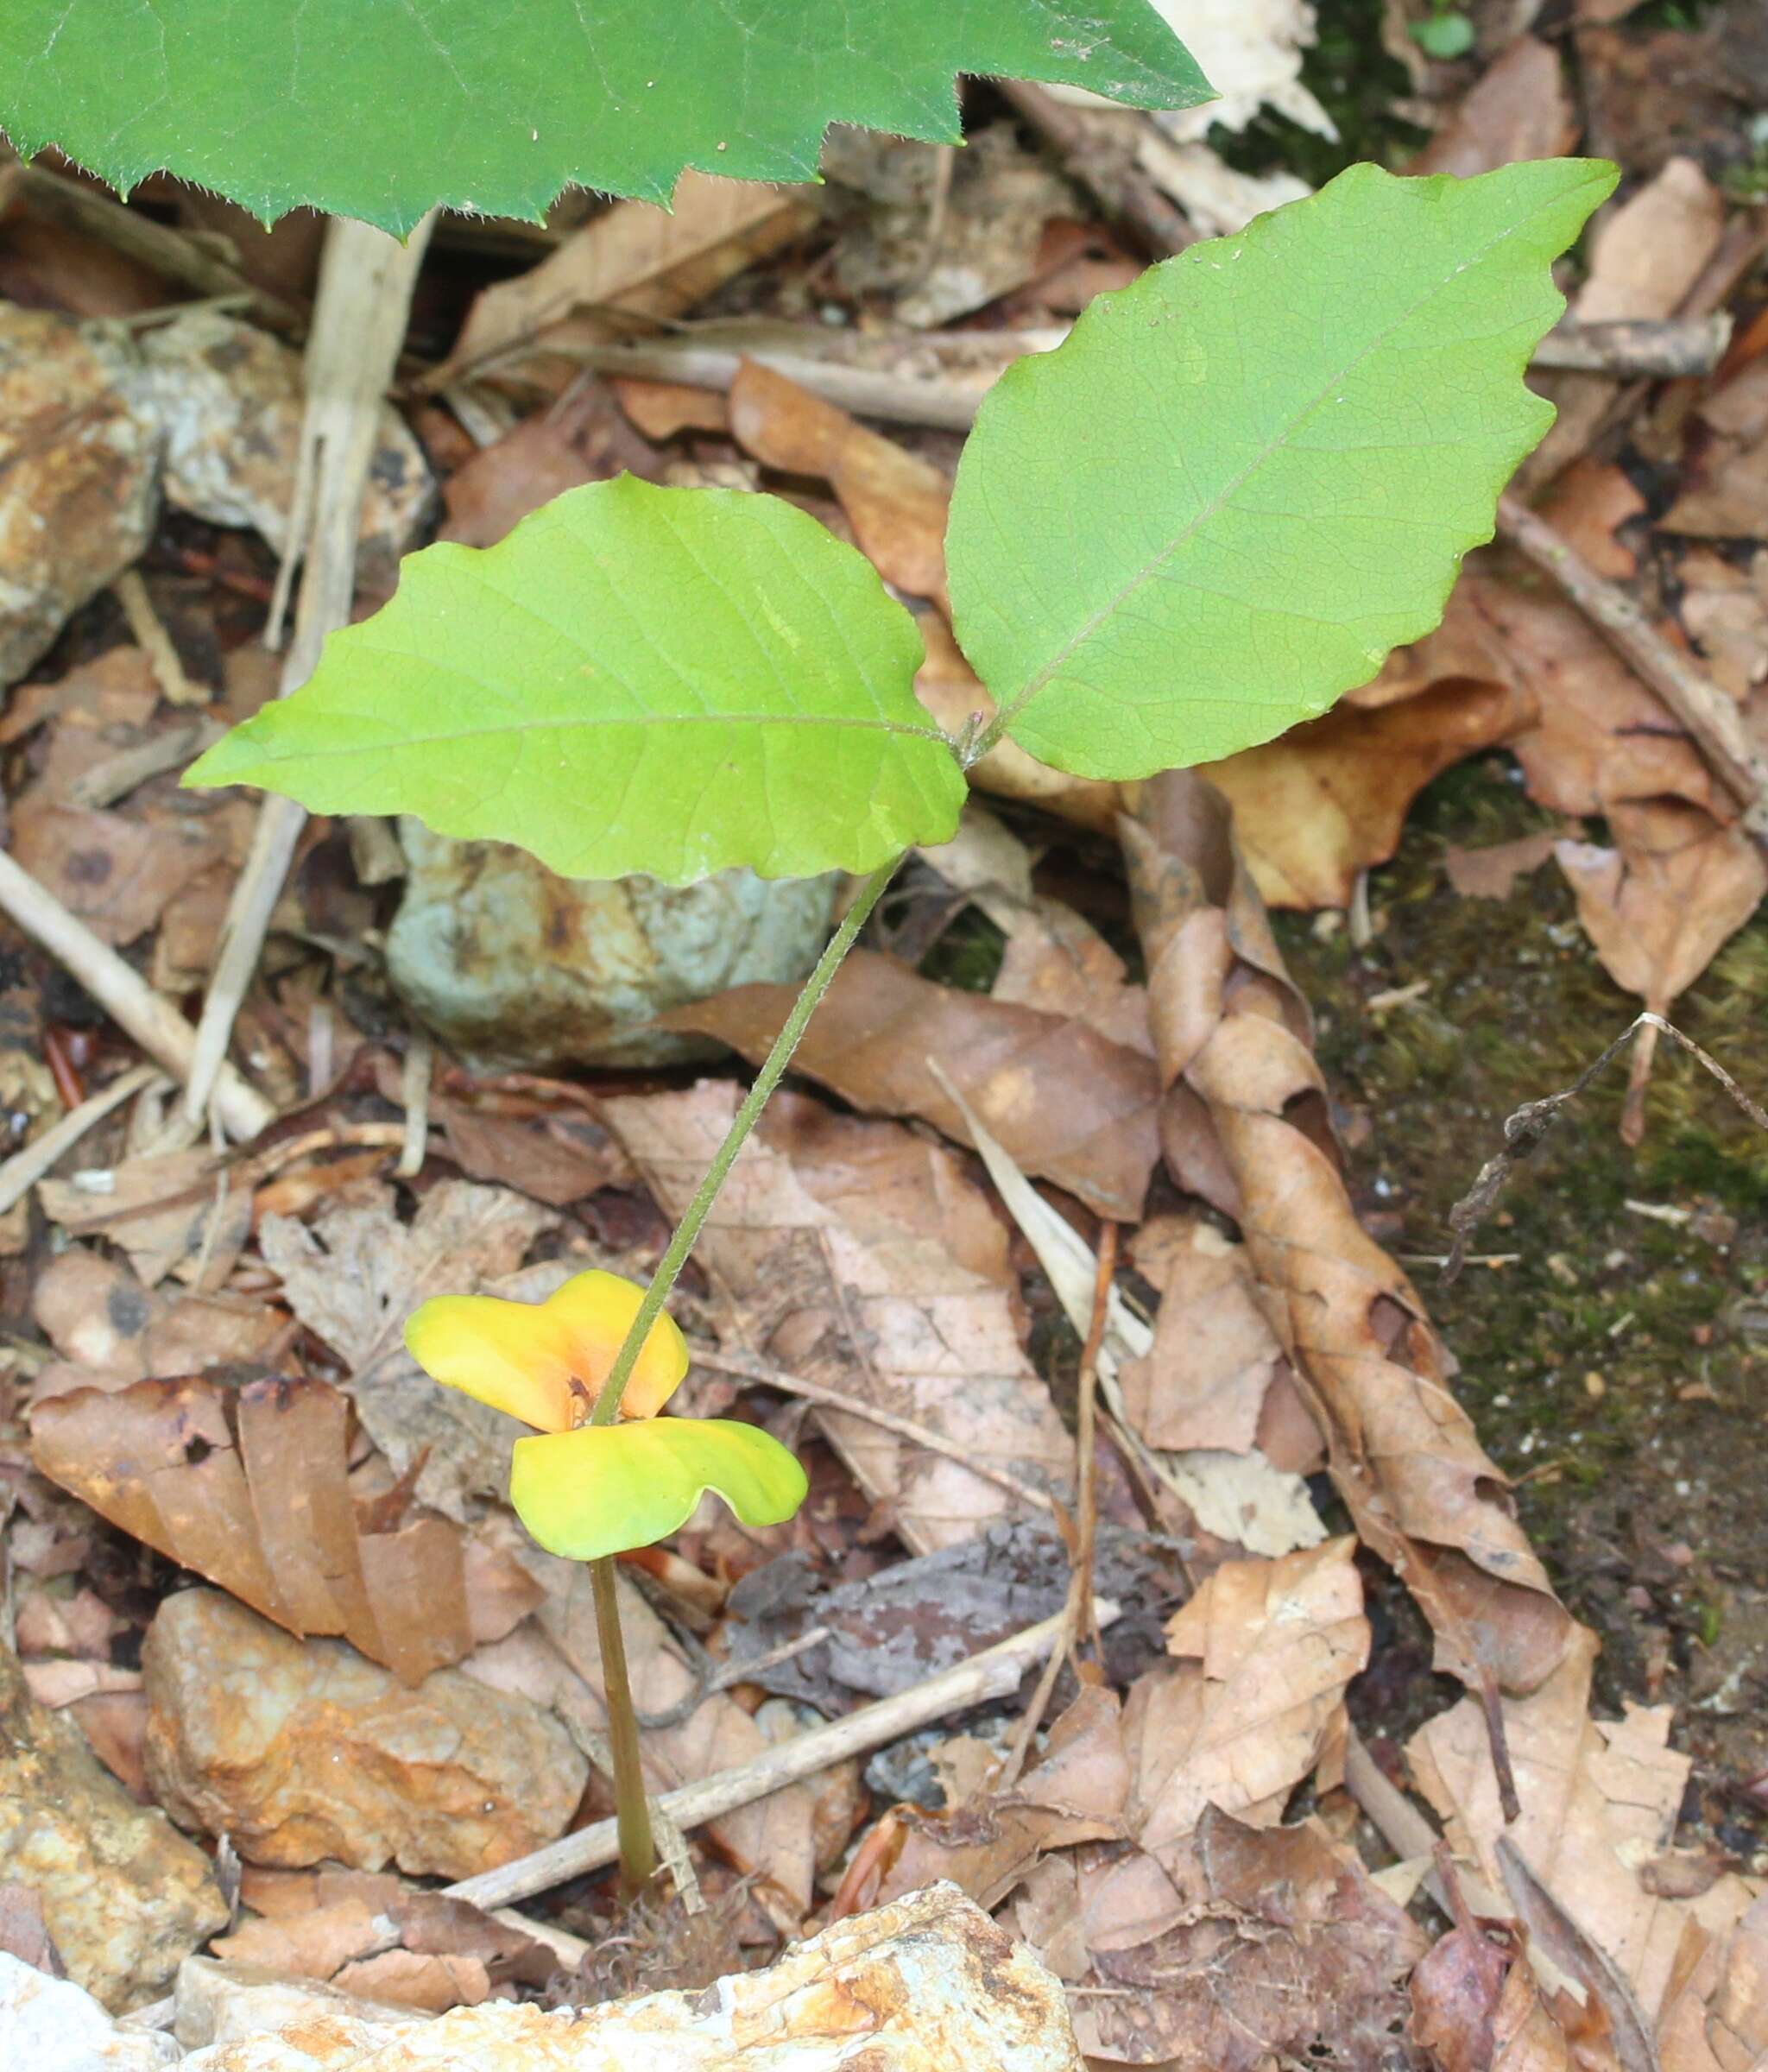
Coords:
pixel 1041 681
pixel 649 719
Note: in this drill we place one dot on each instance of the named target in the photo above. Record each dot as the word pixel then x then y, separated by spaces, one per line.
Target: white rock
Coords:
pixel 52 2025
pixel 930 1984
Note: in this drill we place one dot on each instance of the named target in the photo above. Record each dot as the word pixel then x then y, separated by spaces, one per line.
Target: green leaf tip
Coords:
pixel 1245 479
pixel 386 109
pixel 605 1489
pixel 670 681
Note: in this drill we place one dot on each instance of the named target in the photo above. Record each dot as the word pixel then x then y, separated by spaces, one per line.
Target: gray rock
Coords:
pixel 230 400
pixel 124 1896
pixel 79 463
pixel 515 968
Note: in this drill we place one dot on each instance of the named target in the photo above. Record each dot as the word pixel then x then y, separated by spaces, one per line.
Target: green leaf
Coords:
pixel 670 681
pixel 605 1489
pixel 1246 478
pixel 1445 35
pixel 382 108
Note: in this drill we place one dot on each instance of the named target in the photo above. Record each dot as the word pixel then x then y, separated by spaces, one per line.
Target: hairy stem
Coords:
pixel 638 1851
pixel 607 1407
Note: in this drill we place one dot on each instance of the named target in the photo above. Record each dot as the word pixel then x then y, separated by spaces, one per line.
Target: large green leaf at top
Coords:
pixel 382 108
pixel 636 679
pixel 1243 479
pixel 606 1488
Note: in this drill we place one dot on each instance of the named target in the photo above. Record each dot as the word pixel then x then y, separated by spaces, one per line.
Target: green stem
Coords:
pixel 638 1851
pixel 607 1407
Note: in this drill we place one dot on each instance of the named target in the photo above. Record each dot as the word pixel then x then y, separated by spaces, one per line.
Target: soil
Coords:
pixel 1615 1352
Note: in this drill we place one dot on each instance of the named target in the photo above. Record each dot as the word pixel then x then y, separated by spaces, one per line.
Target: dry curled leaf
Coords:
pixel 1234 1044
pixel 1242 1947
pixel 249 1487
pixel 633 265
pixel 1069 1104
pixel 357 1274
pixel 1600 1800
pixel 895 503
pixel 990 1845
pixel 1328 799
pixel 1265 1650
pixel 827 1279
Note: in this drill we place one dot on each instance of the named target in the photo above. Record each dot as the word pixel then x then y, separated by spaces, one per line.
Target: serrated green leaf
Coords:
pixel 606 1488
pixel 1245 479
pixel 383 109
pixel 671 681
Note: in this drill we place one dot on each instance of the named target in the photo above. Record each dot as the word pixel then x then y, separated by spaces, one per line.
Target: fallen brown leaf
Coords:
pixel 895 503
pixel 1327 799
pixel 555 1660
pixel 1244 1946
pixel 1231 1035
pixel 175 1212
pixel 1491 872
pixel 248 1486
pixel 841 1288
pixel 1729 492
pixel 953 693
pixel 583 437
pixel 1215 1356
pixel 1598 1799
pixel 1068 1104
pixel 1725 608
pixel 1645 255
pixel 357 1273
pixel 1456 1991
pixel 1256 1700
pixel 1517 108
pixel 990 1845
pixel 633 265
pixel 1659 906
pixel 1715 2010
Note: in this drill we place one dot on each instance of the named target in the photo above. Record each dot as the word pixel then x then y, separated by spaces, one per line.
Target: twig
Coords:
pixel 1080 1581
pixel 1524 1130
pixel 748 1368
pixel 1665 348
pixel 152 638
pixel 125 996
pixel 1109 174
pixel 1406 1831
pixel 415 1073
pixel 992 1674
pixel 25 1168
pixel 1710 717
pixel 941 401
pixel 170 253
pixel 366 280
pixel 117 775
pixel 716 1676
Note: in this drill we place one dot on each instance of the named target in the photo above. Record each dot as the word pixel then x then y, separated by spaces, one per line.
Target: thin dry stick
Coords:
pixel 169 252
pixel 152 638
pixel 748 1368
pixel 1524 1130
pixel 1693 697
pixel 366 280
pixel 992 1674
pixel 125 995
pixel 1406 1831
pixel 1108 171
pixel 25 1168
pixel 1085 1530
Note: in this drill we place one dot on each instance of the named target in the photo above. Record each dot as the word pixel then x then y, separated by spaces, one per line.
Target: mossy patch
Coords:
pixel 1614 1361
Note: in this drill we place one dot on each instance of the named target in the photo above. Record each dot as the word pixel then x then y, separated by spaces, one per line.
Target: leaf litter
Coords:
pixel 206 1378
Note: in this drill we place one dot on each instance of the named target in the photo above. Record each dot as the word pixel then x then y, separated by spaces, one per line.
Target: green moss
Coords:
pixel 1577 1354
